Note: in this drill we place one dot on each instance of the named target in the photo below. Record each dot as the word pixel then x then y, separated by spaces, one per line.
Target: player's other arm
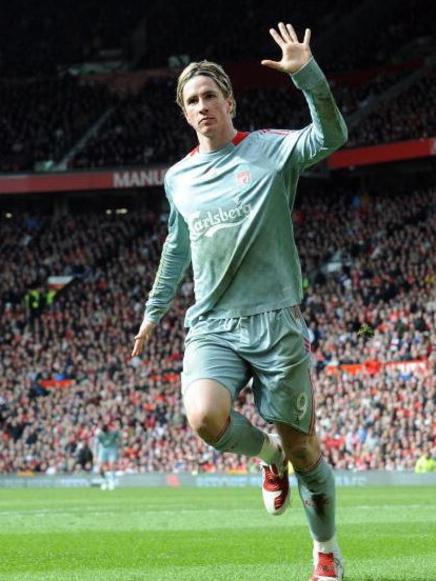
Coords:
pixel 328 130
pixel 174 261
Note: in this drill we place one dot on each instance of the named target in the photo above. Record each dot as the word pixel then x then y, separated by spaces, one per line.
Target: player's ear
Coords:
pixel 231 104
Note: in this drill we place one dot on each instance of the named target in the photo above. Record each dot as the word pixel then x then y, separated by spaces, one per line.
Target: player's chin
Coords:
pixel 206 128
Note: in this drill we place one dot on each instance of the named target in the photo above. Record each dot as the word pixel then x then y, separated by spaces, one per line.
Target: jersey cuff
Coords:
pixel 308 76
pixel 152 318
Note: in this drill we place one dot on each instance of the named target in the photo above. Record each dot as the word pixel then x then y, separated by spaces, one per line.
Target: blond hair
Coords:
pixel 207 69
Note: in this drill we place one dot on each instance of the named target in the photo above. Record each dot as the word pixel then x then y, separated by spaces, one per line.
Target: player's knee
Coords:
pixel 208 406
pixel 304 453
pixel 207 423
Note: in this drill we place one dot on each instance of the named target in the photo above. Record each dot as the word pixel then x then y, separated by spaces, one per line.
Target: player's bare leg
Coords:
pixel 208 405
pixel 317 490
pixel 209 409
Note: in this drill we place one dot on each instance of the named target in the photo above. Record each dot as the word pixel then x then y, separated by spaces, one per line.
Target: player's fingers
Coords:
pixel 271 64
pixel 276 36
pixel 284 32
pixel 291 32
pixel 138 347
pixel 141 335
pixel 136 351
pixel 307 35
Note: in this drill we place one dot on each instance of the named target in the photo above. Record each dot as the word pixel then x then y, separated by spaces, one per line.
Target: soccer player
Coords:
pixel 229 214
pixel 107 446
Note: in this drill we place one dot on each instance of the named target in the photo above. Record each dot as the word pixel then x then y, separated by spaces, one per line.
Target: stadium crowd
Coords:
pixel 408 116
pixel 61 34
pixel 65 366
pixel 40 120
pixel 139 132
pixel 65 370
pixel 44 112
pixel 39 39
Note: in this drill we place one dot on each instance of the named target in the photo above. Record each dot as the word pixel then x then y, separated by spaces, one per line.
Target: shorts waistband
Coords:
pixel 295 309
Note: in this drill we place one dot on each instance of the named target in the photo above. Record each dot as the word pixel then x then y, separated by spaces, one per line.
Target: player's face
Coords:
pixel 205 107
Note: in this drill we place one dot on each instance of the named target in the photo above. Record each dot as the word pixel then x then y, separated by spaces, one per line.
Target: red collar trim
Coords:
pixel 240 136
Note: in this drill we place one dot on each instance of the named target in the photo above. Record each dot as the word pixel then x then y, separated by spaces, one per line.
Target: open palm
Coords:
pixel 295 54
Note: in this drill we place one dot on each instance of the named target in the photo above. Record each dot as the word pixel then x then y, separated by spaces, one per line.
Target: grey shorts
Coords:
pixel 273 348
pixel 106 455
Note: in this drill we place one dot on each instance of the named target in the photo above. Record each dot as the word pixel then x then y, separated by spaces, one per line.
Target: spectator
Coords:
pixel 425 463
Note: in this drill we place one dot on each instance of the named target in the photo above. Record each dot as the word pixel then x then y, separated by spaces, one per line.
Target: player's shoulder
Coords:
pixel 180 166
pixel 273 134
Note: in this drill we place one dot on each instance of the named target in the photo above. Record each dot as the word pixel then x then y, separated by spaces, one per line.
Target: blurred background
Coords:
pixel 88 128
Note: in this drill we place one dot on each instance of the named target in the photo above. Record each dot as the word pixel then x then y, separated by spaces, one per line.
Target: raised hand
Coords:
pixel 294 54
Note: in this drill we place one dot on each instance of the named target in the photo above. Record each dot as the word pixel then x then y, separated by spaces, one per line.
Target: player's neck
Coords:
pixel 215 141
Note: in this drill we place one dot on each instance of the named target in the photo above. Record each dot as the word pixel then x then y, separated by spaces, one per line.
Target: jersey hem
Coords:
pixel 236 313
pixel 277 420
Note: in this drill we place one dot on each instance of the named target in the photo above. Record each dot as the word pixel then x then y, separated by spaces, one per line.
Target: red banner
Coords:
pixel 373 367
pixel 376 154
pixel 154 176
pixel 82 181
pixel 56 383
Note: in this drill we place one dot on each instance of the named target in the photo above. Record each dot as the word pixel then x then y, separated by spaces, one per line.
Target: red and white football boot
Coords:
pixel 275 486
pixel 327 567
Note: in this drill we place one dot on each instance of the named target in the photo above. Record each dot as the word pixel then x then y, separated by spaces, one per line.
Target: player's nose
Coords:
pixel 203 105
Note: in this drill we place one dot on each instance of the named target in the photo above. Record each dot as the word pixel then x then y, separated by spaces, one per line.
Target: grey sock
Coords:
pixel 240 437
pixel 271 453
pixel 317 492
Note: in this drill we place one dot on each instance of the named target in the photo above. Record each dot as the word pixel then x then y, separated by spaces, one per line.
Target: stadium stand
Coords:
pixel 74 32
pixel 409 116
pixel 140 131
pixel 45 116
pixel 61 34
pixel 40 120
pixel 66 367
pixel 142 127
pixel 367 252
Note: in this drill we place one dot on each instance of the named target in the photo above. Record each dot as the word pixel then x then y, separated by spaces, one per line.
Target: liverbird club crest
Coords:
pixel 243 178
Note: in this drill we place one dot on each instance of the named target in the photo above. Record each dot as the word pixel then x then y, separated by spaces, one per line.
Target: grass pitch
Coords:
pixel 386 534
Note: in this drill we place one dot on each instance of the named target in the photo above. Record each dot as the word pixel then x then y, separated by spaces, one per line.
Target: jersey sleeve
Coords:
pixel 174 260
pixel 327 132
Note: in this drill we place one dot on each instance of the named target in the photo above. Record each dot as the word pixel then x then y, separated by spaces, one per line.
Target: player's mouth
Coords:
pixel 206 120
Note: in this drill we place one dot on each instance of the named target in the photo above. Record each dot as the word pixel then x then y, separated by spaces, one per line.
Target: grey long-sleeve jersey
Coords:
pixel 230 214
